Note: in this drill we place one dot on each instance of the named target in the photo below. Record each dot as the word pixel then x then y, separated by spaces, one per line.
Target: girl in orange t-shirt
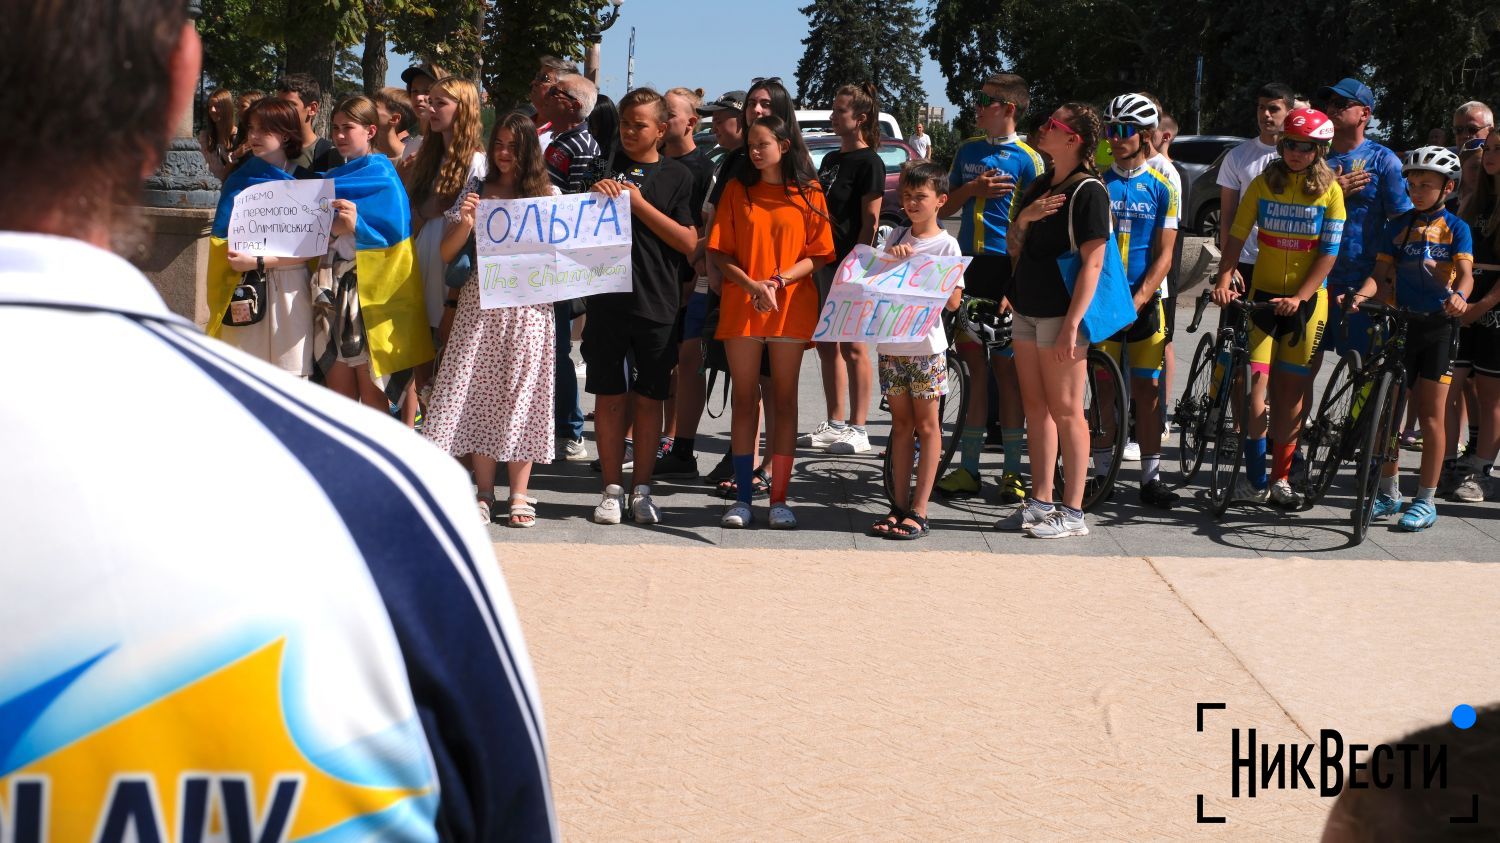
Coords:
pixel 770 234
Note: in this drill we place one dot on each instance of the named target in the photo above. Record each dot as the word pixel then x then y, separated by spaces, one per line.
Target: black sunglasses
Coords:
pixel 1300 146
pixel 759 79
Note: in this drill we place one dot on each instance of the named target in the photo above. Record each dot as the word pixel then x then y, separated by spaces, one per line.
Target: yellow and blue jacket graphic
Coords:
pixel 983 223
pixel 1424 249
pixel 221 278
pixel 1294 230
pixel 390 285
pixel 1144 203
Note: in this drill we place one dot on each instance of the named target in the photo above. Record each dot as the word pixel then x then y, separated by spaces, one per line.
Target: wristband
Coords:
pixel 1453 292
pixel 779 281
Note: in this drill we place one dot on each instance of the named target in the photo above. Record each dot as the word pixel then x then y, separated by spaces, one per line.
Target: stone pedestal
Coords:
pixel 176 258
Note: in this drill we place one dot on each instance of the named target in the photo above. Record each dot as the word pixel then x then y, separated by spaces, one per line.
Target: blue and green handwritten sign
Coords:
pixel 878 298
pixel 534 251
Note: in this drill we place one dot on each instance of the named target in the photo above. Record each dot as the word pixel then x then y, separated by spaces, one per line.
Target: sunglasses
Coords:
pixel 1305 147
pixel 1120 131
pixel 555 91
pixel 759 79
pixel 1468 130
pixel 1054 123
pixel 985 100
pixel 1338 104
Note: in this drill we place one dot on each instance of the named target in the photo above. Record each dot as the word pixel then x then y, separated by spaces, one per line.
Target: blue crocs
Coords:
pixel 1385 506
pixel 1420 516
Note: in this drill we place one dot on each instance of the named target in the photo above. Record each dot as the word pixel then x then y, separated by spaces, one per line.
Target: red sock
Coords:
pixel 1281 461
pixel 781 474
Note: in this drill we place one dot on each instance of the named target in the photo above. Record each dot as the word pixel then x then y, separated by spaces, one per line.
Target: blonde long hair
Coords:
pixel 1319 176
pixel 441 171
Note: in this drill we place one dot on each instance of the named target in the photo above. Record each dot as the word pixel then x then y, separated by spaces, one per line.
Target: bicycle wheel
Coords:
pixel 951 410
pixel 1226 431
pixel 1371 455
pixel 1193 411
pixel 1100 415
pixel 1323 435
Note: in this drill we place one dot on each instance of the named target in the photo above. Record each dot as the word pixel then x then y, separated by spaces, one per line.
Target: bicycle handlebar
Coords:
pixel 1248 307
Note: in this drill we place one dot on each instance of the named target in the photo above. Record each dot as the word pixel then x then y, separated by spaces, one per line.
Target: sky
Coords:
pixel 673 48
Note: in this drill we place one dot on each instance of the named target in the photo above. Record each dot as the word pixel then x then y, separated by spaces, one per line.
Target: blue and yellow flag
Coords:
pixel 390 286
pixel 221 278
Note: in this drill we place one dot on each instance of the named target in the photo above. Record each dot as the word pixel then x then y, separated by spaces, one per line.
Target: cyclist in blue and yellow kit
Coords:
pixel 1298 205
pixel 1426 258
pixel 989 174
pixel 1145 207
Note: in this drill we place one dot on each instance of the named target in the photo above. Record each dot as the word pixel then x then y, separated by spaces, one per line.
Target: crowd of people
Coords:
pixel 731 261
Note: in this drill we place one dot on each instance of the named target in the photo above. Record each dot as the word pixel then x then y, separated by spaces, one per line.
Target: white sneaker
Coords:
pixel 1024 517
pixel 572 450
pixel 1132 452
pixel 609 509
pixel 737 516
pixel 642 508
pixel 850 441
pixel 782 517
pixel 1058 525
pixel 822 436
pixel 1282 494
pixel 1474 489
pixel 1246 493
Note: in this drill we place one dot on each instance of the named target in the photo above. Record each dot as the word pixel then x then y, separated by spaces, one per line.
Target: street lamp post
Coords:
pixel 603 21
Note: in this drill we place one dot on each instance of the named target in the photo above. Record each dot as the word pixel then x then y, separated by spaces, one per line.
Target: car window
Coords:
pixel 1197 152
pixel 817 153
pixel 893 157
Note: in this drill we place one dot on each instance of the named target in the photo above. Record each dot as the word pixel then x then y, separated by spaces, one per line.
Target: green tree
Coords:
pixel 520 32
pixel 854 41
pixel 233 58
pixel 945 141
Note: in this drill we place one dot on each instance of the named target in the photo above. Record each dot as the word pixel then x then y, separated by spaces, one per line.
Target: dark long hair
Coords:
pixel 604 125
pixel 795 170
pixel 784 110
pixel 531 168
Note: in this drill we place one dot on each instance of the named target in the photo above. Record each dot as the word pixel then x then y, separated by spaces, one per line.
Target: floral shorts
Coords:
pixel 924 376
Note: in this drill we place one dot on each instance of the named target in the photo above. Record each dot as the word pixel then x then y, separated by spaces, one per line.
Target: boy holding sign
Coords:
pixel 628 340
pixel 913 375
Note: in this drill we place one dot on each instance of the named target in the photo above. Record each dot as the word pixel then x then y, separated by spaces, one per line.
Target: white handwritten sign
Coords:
pixel 534 251
pixel 288 219
pixel 879 298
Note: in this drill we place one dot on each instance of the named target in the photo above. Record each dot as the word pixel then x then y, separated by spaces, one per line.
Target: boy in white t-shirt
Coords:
pixel 914 375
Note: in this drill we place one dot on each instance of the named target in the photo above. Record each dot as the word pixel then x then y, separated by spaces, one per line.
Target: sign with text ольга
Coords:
pixel 287 219
pixel 552 248
pixel 879 298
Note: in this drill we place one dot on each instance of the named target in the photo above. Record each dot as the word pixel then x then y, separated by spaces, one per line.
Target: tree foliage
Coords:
pixel 854 41
pixel 519 32
pixel 1422 59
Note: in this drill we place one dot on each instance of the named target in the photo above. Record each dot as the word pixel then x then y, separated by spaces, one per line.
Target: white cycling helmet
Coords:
pixel 1433 159
pixel 1133 109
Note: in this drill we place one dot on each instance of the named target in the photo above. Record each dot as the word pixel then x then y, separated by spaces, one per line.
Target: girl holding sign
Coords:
pixel 769 235
pixel 283 337
pixel 493 398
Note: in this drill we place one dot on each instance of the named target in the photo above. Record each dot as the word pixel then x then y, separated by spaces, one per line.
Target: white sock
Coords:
pixel 1388 486
pixel 1150 468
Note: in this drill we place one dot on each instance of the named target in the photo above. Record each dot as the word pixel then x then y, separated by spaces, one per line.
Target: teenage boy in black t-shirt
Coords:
pixel 627 340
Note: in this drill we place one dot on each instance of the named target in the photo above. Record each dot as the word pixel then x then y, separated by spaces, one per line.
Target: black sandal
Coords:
pixel 760 484
pixel 902 531
pixel 884 525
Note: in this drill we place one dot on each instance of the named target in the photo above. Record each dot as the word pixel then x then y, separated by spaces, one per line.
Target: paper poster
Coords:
pixel 547 249
pixel 288 219
pixel 878 298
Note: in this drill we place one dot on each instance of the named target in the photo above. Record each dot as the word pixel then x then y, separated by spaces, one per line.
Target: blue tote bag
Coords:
pixel 1112 307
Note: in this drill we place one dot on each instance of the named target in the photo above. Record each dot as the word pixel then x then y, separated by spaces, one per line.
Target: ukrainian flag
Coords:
pixel 221 278
pixel 390 286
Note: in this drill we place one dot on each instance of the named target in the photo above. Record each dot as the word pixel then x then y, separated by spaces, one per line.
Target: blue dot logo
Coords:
pixel 1464 716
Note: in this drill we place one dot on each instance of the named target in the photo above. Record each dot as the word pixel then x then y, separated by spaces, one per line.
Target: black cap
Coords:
pixel 732 101
pixel 428 69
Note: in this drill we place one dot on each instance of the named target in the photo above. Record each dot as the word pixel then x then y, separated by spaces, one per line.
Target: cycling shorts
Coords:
pixel 1272 337
pixel 1141 349
pixel 1429 351
pixel 1479 346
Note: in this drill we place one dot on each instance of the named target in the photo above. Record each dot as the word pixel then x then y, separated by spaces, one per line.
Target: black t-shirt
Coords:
pixel 325 156
pixel 1484 252
pixel 730 167
pixel 655 268
pixel 849 177
pixel 702 168
pixel 1038 290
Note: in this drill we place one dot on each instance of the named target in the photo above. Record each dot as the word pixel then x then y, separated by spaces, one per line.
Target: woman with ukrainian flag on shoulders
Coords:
pixel 282 337
pixel 370 319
